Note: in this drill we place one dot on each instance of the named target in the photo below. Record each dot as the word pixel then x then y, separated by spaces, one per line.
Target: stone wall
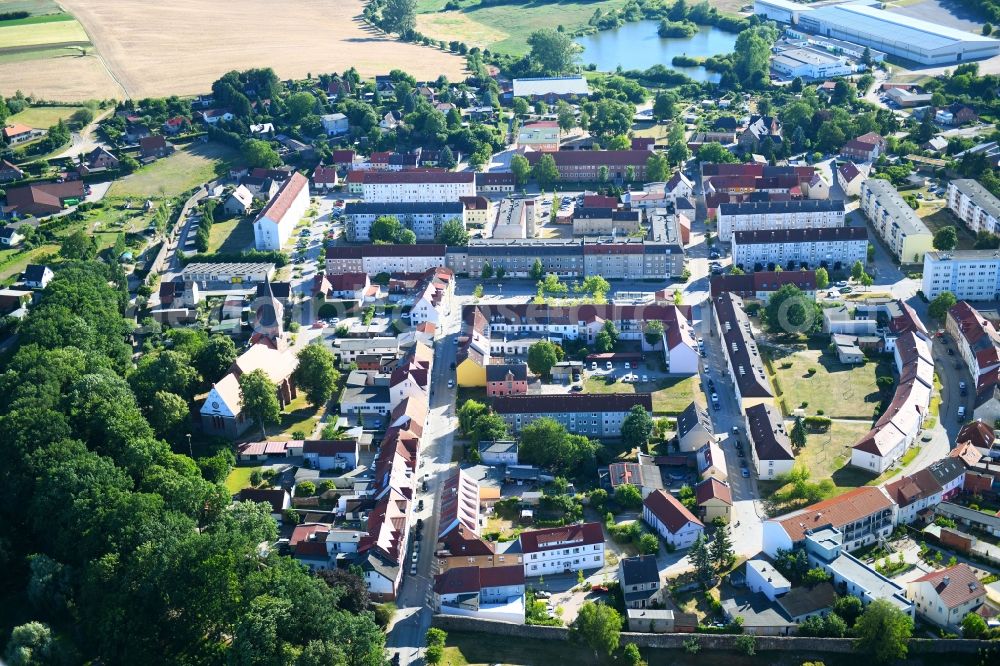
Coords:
pixel 707 641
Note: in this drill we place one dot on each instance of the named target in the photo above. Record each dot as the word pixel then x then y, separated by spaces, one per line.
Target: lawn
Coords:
pixel 505 28
pixel 945 218
pixel 855 395
pixel 43 116
pixel 13 262
pixel 297 415
pixel 232 235
pixel 826 455
pixel 239 478
pixel 181 172
pixel 671 395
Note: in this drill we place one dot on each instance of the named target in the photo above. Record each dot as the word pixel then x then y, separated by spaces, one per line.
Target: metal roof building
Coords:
pixel 903 36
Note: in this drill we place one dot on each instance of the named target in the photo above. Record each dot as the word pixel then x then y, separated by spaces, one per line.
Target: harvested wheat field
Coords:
pixel 66 78
pixel 181 47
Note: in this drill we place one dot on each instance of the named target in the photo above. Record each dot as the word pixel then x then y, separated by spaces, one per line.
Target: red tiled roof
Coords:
pixel 669 511
pixel 329 447
pixel 712 488
pixel 837 511
pixel 977 433
pixel 583 534
pixel 418 177
pixel 278 207
pixel 501 576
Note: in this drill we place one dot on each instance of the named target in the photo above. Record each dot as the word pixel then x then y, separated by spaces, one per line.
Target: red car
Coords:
pixel 599 588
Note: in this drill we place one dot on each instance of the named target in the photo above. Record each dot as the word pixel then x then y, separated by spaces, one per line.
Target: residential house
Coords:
pixel 715 499
pixel 239 202
pixel 175 125
pixel 865 148
pixel 946 596
pixel 334 124
pixel 500 452
pixel 778 215
pixel 899 226
pixel 711 462
pixel 850 177
pixel 670 519
pixel 325 178
pixel 974 205
pixel 493 593
pixel 971 275
pixel 275 223
pixel 551 89
pixel 16 133
pixel 98 160
pixel 639 578
pixel 694 428
pixel 861 516
pixel 215 116
pixel 978 342
pixel 323 454
pixel 760 131
pixel 507 379
pixel 154 147
pixel 770 446
pixel 37 276
pixel 9 172
pixel 763 578
pixel 277 499
pixel 425 219
pixel 576 166
pixel 543 135
pixel 567 549
pixel 643 475
pixel 418 186
pixel 495 182
pixel 11 236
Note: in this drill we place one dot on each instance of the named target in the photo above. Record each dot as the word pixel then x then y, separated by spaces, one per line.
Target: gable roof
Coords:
pixel 669 511
pixel 767 433
pixel 977 433
pixel 499 373
pixel 711 488
pixel 955 585
pixel 273 496
pixel 579 534
pixel 571 402
pixel 836 511
pixel 639 569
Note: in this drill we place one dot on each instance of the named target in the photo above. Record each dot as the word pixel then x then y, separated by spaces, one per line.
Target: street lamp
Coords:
pixel 190 450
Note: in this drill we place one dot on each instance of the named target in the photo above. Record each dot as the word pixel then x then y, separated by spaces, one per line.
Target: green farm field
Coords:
pixel 170 176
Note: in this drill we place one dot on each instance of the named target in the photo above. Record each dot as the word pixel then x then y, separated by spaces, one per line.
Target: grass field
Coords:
pixel 43 116
pixel 298 415
pixel 170 176
pixel 945 218
pixel 505 28
pixel 840 391
pixel 13 262
pixel 233 235
pixel 239 478
pixel 670 396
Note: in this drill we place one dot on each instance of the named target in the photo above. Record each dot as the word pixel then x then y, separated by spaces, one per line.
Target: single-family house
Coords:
pixel 154 147
pixel 334 124
pixel 37 276
pixel 715 499
pixel 566 549
pixel 507 379
pixel 9 172
pixel 694 428
pixel 639 578
pixel 770 445
pixel 946 596
pixel 238 202
pixel 277 498
pixel 670 519
pixel 499 452
pixel 325 454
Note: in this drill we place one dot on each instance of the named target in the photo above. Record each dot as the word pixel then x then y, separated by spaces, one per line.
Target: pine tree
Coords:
pixel 701 559
pixel 798 434
pixel 722 550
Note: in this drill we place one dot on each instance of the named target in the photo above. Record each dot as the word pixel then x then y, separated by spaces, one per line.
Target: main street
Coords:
pixel 413 615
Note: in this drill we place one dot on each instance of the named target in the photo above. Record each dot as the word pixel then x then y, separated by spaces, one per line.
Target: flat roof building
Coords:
pixel 972 275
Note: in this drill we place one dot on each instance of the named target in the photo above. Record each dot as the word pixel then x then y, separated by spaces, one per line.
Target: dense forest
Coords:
pixel 117 549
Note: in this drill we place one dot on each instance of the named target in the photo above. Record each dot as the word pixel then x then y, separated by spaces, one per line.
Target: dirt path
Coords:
pixel 183 46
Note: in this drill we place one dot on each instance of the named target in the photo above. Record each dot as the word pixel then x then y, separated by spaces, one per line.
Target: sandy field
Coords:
pixel 181 47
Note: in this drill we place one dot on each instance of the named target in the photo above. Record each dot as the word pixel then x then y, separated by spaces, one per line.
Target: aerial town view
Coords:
pixel 500 332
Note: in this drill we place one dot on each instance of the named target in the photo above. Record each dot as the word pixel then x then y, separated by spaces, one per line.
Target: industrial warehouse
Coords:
pixel 897 35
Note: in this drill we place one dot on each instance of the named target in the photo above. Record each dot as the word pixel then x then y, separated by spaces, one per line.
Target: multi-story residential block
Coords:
pixel 275 223
pixel 761 285
pixel 865 148
pixel 576 166
pixel 899 425
pixel 493 593
pixel 766 215
pixel 971 275
pixel 541 135
pixel 594 415
pixel 974 205
pixel 743 360
pixel 515 219
pixel 770 446
pixel 631 258
pixel 424 219
pixel 375 259
pixel 831 247
pixel 945 597
pixel 670 519
pixel 418 186
pixel 497 182
pixel 898 225
pixel 863 516
pixel 978 340
pixel 562 549
pixel 605 222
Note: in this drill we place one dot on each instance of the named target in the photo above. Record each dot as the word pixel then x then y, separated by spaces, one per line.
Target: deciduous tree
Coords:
pixel 316 374
pixel 598 626
pixel 259 397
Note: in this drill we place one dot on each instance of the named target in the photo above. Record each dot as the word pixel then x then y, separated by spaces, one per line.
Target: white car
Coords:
pixel 451 383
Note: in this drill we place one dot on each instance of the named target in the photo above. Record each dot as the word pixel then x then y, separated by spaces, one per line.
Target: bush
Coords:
pixel 384 613
pixel 305 489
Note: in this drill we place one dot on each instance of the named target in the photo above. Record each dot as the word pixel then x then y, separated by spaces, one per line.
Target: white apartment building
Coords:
pixel 375 259
pixel 274 226
pixel 563 549
pixel 418 186
pixel 972 275
pixel 832 247
pixel 898 225
pixel 766 215
pixel 974 205
pixel 425 220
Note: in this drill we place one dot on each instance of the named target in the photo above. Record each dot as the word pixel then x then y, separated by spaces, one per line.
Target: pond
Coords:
pixel 637 46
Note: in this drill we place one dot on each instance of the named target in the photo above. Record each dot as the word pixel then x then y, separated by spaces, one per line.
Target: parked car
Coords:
pixel 961 412
pixel 745 472
pixel 593 365
pixel 420 505
pixel 645 378
pixel 576 388
pixel 451 383
pixel 608 365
